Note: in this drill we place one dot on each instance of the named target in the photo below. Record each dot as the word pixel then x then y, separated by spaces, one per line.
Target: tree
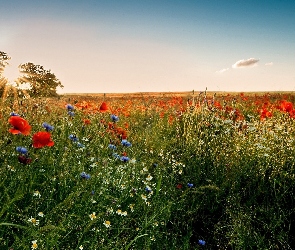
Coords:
pixel 42 82
pixel 4 58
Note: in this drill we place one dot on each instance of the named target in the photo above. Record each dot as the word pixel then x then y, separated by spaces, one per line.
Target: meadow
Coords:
pixel 171 171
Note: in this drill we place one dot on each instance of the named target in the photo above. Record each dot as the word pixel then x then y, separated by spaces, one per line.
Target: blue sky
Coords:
pixel 146 45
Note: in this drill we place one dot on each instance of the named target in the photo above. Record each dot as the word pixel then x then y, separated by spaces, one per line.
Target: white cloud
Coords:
pixel 245 63
pixel 222 70
pixel 269 64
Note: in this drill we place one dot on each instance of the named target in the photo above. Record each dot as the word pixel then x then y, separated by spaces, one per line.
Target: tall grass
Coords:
pixel 198 175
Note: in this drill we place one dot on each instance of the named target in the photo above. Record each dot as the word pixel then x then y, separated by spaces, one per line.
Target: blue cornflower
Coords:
pixel 155 165
pixel 148 189
pixel 85 176
pixel 14 114
pixel 69 107
pixel 74 138
pixel 92 192
pixel 47 126
pixel 190 185
pixel 22 150
pixel 126 143
pixel 114 118
pixel 202 242
pixel 112 146
pixel 124 158
pixel 80 145
pixel 71 113
pixel 116 156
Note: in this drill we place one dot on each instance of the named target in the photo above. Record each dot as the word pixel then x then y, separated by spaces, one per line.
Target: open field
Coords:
pixel 148 171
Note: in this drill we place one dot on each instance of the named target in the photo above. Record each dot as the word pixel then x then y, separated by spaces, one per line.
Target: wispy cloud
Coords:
pixel 245 63
pixel 269 64
pixel 222 71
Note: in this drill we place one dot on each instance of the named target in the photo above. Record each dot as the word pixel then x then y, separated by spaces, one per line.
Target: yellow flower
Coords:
pixel 34 221
pixel 34 244
pixel 40 214
pixel 119 212
pixel 92 216
pixel 107 223
pixel 37 193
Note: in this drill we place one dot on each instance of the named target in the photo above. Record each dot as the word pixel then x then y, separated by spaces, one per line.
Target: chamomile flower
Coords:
pixel 34 221
pixel 41 214
pixel 37 194
pixel 34 244
pixel 92 216
pixel 107 223
pixel 81 247
pixel 149 177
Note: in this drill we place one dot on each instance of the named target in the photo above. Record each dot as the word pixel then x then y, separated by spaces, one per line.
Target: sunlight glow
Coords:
pixel 11 74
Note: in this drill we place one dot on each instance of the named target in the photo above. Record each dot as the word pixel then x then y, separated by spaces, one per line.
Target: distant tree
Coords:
pixel 4 58
pixel 41 81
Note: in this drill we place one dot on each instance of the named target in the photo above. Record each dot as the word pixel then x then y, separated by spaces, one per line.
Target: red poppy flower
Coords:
pixel 42 139
pixel 179 186
pixel 103 107
pixel 87 121
pixel 20 126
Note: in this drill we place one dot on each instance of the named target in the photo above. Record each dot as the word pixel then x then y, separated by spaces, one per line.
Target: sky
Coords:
pixel 123 46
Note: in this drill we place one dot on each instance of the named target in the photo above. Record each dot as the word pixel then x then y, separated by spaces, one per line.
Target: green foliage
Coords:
pixel 242 172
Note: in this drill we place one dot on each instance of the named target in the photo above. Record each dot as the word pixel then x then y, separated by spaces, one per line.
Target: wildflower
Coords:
pixel 190 185
pixel 179 186
pixel 126 143
pixel 114 118
pixel 148 189
pixel 47 126
pixel 42 139
pixel 202 242
pixel 155 165
pixel 37 194
pixel 69 107
pixel 103 107
pixel 80 145
pixel 81 247
pixel 133 161
pixel 119 212
pixel 149 177
pixel 71 113
pixel 92 216
pixel 22 150
pixel 112 146
pixel 143 197
pixel 131 206
pixel 24 159
pixel 124 213
pixel 41 214
pixel 87 121
pixel 73 138
pixel 20 126
pixel 107 223
pixel 14 114
pixel 124 158
pixel 34 221
pixel 116 156
pixel 11 168
pixel 85 176
pixel 34 244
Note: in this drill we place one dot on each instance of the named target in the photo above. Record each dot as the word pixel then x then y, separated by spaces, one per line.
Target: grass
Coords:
pixel 203 172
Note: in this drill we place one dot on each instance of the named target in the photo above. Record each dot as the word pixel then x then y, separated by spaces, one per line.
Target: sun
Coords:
pixel 11 73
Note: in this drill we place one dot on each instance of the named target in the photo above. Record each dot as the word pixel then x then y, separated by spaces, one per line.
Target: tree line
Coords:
pixel 41 82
